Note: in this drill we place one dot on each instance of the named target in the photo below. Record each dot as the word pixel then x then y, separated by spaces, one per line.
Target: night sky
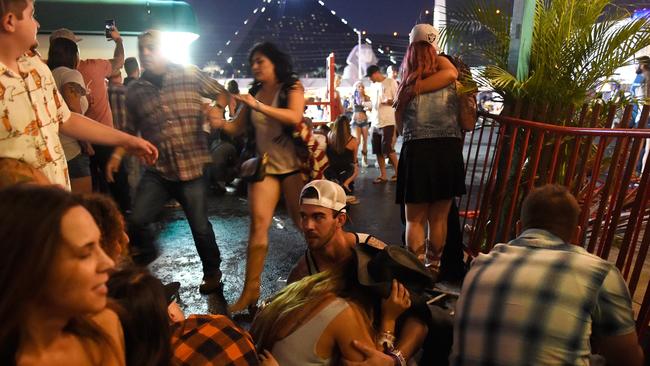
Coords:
pixel 219 19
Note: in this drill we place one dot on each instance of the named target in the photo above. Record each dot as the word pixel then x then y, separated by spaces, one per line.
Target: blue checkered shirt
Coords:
pixel 537 301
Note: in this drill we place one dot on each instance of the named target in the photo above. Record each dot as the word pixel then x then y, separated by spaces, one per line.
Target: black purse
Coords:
pixel 254 169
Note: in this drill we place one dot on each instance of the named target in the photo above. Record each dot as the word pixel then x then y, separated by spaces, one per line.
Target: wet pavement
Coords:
pixel 376 214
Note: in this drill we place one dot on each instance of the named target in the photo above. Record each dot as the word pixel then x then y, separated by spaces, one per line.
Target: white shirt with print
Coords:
pixel 31 110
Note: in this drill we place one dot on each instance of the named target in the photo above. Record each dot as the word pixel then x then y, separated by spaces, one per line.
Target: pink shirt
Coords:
pixel 95 72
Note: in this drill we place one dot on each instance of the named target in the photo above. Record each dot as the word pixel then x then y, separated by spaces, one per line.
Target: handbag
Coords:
pixel 254 169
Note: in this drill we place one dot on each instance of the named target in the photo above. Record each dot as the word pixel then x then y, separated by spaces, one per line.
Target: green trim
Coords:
pixel 131 16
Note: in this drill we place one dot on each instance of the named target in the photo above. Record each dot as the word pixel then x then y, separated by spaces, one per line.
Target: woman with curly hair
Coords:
pixel 110 221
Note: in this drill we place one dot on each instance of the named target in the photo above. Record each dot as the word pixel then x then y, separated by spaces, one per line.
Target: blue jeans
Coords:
pixel 152 194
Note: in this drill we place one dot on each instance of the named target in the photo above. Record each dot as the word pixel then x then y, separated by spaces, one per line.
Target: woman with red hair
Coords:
pixel 430 170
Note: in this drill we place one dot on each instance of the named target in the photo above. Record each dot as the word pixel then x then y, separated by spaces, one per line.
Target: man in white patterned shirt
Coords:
pixel 31 109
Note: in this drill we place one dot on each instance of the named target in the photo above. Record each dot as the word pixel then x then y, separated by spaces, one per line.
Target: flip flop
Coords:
pixel 379 180
pixel 393 178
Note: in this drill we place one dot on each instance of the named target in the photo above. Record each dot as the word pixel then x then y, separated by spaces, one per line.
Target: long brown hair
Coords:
pixel 419 63
pixel 340 135
pixel 143 314
pixel 30 236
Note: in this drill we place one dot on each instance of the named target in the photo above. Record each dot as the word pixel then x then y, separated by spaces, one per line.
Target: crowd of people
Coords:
pixel 74 274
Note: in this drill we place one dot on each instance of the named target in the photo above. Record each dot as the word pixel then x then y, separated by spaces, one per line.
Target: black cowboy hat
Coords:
pixel 376 269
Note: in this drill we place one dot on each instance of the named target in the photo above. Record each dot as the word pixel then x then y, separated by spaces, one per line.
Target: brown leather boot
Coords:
pixel 256 254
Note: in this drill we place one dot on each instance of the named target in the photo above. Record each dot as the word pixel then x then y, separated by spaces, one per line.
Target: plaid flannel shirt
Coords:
pixel 211 340
pixel 536 301
pixel 172 119
pixel 117 100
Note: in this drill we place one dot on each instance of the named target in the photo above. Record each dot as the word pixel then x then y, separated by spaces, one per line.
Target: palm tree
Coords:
pixel 576 46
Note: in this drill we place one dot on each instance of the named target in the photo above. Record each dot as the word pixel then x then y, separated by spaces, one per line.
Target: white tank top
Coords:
pixel 299 347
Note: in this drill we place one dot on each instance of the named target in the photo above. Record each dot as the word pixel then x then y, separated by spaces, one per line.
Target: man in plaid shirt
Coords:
pixel 165 106
pixel 541 301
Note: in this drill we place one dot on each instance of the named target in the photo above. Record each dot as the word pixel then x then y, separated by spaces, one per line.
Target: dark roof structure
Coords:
pixel 133 16
pixel 307 30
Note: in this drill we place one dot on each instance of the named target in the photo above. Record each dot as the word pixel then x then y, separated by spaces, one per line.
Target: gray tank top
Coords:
pixel 299 347
pixel 270 138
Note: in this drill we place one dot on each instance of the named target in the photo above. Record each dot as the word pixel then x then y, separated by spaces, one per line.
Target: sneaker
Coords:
pixel 211 283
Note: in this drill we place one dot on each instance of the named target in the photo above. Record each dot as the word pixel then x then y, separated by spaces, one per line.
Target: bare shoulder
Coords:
pixel 109 322
pixel 353 143
pixel 349 325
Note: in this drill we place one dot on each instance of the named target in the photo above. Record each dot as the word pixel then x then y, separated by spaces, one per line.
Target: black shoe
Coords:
pixel 211 283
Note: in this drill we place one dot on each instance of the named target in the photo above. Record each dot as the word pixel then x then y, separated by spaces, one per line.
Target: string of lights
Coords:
pixel 299 32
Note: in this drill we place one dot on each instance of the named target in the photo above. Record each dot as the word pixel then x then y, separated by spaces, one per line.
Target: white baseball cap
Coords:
pixel 330 195
pixel 424 32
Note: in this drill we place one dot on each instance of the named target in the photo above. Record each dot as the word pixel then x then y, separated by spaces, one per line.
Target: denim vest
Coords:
pixel 432 115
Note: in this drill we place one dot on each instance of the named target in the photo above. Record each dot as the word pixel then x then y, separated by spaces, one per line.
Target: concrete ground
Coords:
pixel 376 214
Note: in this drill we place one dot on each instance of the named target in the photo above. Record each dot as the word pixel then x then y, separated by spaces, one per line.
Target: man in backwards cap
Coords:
pixel 323 213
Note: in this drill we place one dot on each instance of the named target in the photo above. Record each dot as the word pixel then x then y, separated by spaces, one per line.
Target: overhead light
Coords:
pixel 320 2
pixel 229 60
pixel 176 46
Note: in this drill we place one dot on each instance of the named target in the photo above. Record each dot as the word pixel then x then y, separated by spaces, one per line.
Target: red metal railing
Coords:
pixel 506 157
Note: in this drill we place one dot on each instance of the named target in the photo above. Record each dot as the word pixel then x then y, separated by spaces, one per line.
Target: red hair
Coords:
pixel 419 63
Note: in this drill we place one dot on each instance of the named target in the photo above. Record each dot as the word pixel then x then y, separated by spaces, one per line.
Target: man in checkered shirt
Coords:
pixel 540 301
pixel 166 106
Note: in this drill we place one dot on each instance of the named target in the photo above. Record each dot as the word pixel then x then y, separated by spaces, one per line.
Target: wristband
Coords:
pixel 386 340
pixel 398 357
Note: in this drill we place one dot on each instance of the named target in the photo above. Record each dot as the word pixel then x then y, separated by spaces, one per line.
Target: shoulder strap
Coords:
pixel 312 267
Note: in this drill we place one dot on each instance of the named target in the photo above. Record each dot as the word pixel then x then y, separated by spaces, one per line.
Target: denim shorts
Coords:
pixel 79 166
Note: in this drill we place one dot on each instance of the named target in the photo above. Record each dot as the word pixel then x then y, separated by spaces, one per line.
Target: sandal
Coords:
pixel 379 180
pixel 393 178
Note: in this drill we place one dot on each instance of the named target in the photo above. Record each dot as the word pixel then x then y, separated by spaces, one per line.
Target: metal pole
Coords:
pixel 521 36
pixel 359 56
pixel 440 16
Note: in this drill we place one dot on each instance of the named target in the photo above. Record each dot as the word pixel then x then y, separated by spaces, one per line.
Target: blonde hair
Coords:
pixel 282 315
